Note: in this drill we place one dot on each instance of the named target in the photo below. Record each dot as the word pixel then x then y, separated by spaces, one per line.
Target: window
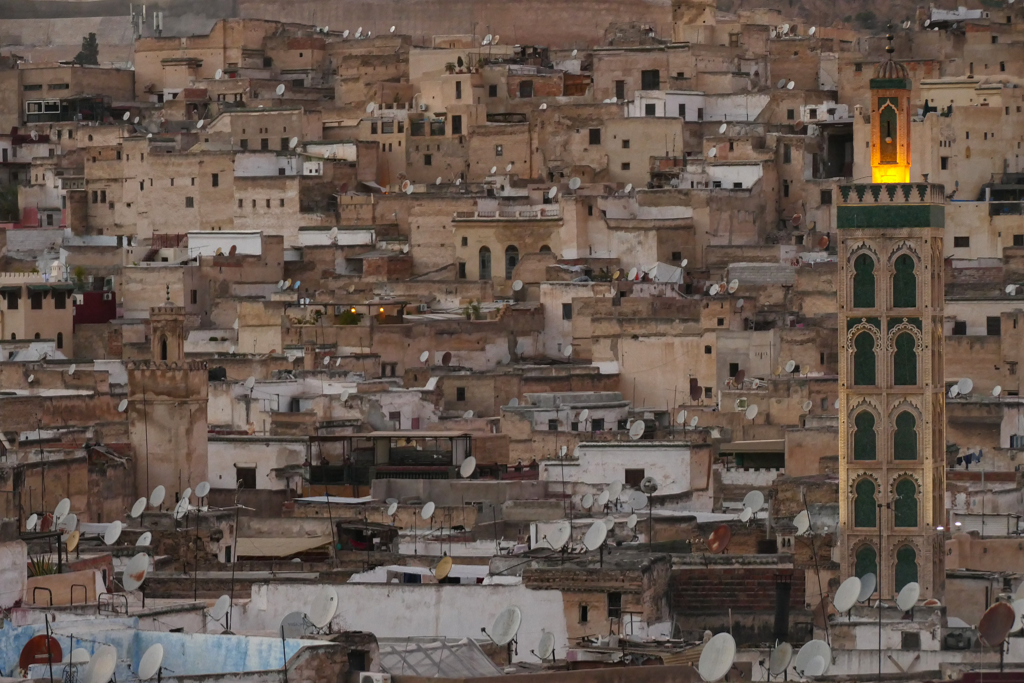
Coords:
pixel 584 614
pixel 904 439
pixel 707 349
pixel 552 425
pixel 373 127
pixel 595 136
pixel 597 424
pixel 910 640
pixel 682 111
pixel 37 301
pixel 650 109
pixel 944 163
pixel 625 166
pixel 457 124
pixel 189 203
pixel 244 144
pixel 60 300
pixel 734 369
pixel 103 196
pixel 677 256
pixel 195 296
pixel 246 477
pixel 465 241
pixel 634 476
pixel 865 510
pixel 614 605
pixel 905 506
pixel 511 260
pixel 905 360
pixel 1002 67
pixel 525 89
pixel 866 561
pixel 864 360
pixel 650 79
pixel 30 87
pixel 906 566
pixel 826 198
pixel 264 143
pixel 215 180
pixel 239 203
pixel 460 393
pixel 1018 240
pixel 790 114
pixel 700 113
pixel 60 340
pixel 787 153
pixel 12 301
pixel 625 144
pixel 959 328
pixel 458 90
pixel 864 282
pixel 721 322
pixel 993 326
pixel 566 311
pixel 280 203
pixel 485 263
pixel 995 39
pixel 864 436
pixel 961 242
pixel 499 150
pixel 620 90
pixel 428 160
pixel 462 270
pixel 904 283
pixel 785 188
pixel 492 91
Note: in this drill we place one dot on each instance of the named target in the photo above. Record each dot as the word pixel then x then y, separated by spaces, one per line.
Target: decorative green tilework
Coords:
pixel 906 503
pixel 890 215
pixel 864 282
pixel 864 436
pixel 905 361
pixel 867 562
pixel 904 439
pixel 906 567
pixel 904 283
pixel 864 360
pixel 864 506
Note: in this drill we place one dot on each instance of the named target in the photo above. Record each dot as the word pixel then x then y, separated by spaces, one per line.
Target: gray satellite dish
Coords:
pixel 746 514
pixel 112 533
pixel 293 143
pixel 220 608
pixel 127 115
pixel 279 89
pixel 61 511
pixel 325 605
pixel 72 369
pixel 637 430
pixel 467 467
pixel 802 522
pixel 790 85
pixel 588 501
pixel 574 183
pixel 713 152
pixel 250 383
pixel 181 509
pixel 965 386
pixel 203 489
pixel 552 192
pixel 631 521
pixel 293 625
pixel 543 106
pixel 751 412
pixel 681 417
pixel 595 536
pixel 780 658
pixel 559 536
pixel 717 658
pixel 846 595
pixel 615 490
pixel 602 498
pixel 513 402
pixel 567 351
pixel 157 497
pixel 30 524
pixel 546 646
pixel 754 500
pixel 996 390
pixel 151 660
pixel 31 378
pixel 637 500
pixel 790 365
pixel 138 508
pixel 722 128
pixel 122 406
pixel 517 285
pixel 145 539
pixel 428 510
pixel 693 421
pixel 867 587
pixel 506 625
pixel 584 414
pixel 908 596
pixel 814 649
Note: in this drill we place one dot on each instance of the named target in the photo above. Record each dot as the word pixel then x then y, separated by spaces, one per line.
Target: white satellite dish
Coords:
pixel 325 605
pixel 494 169
pixel 157 497
pixel 112 533
pixel 138 508
pixel 135 120
pixel 815 667
pixel 30 524
pixel 615 490
pixel 31 378
pixel 867 587
pixel 392 30
pixel 552 192
pixel 836 404
pixel 424 356
pixel 632 274
pixel 846 595
pixel 802 522
pixel 219 75
pixel 127 115
pixel 681 417
pixel 780 658
pixel 543 106
pixel 546 646
pixel 410 189
pixel 693 421
pixel 733 286
pixel 487 39
pixel 327 359
pixel 628 188
pixel 954 391
pixel 722 128
pixel 203 489
pixel 812 31
pixel 122 406
pixel 359 32
pixel 595 536
pixel 293 142
pixel 574 53
pixel 908 596
pixel 717 658
pixel 428 510
pixel 574 183
pixel 790 365
pixel 467 415
pixel 506 625
pixel 151 661
pixel 806 407
pixel 563 450
pixel 467 467
pixel 637 430
pixel 517 285
pixel 713 291
pixel 631 521
pixel 438 181
pixel 370 106
pixel 584 414
pixel 101 666
pixel 220 608
pixel 996 390
pixel 181 509
pixel 250 383
pixel 34 135
pixel 508 168
pixel 713 152
pixel 637 500
pixel 746 514
pixel 559 536
pixel 754 500
pixel 72 369
pixel 135 571
pixel 811 650
pixel 145 539
pixel 68 524
pixel 199 124
pixel 79 656
pixel 588 501
pixel 790 85
pixel 1011 289
pixel 567 351
pixel 602 498
pixel 751 412
pixel 513 402
pixel 344 34
pixel 186 494
pixel 61 511
pixel 965 385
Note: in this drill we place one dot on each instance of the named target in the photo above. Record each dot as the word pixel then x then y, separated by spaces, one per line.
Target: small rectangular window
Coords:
pixel 614 605
pixel 458 90
pixel 650 109
pixel 650 79
pixel 246 477
pixel 734 369
pixel 625 144
pixel 492 91
pixel 215 179
pixel 595 136
pixel 625 165
pixel 633 476
pixel 264 144
pixel 682 111
pixel 460 393
pixel 944 163
pixel 280 203
pixel 826 197
pixel 620 90
pixel 790 114
pixel 584 614
pixel 462 270
pixel 677 256
pixel 707 349
pixel 428 160
pixel 993 326
pixel 787 153
pixel 858 67
pixel 785 188
pixel 195 296
pixel 37 301
pixel 1018 240
pixel 597 424
pixel 566 311
pixel 552 425
pixel 961 242
pixel 959 328
pixel 60 300
pixel 189 203
pixel 244 144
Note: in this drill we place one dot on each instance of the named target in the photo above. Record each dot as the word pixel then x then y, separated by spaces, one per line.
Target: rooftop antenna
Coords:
pixel 279 89
pixel 567 351
pixel 996 390
pixel 908 595
pixel 965 386
pixel 717 658
pixel 751 412
pixel 424 357
pixel 637 430
pixel 221 607
pixel 733 286
pixel 219 75
pixel 112 533
pixel 33 520
pixel 995 625
pixel 587 501
pixel 552 192
pixel 61 511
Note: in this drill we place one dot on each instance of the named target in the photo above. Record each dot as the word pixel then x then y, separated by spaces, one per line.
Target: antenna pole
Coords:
pixel 878 569
pixel 234 557
pixel 284 656
pixel 49 654
pixel 195 569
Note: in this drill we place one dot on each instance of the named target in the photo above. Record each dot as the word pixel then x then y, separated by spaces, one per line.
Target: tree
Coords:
pixel 90 52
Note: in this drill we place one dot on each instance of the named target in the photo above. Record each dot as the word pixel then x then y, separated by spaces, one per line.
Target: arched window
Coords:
pixel 864 436
pixel 60 340
pixel 864 282
pixel 13 336
pixel 866 562
pixel 864 505
pixel 906 503
pixel 864 360
pixel 485 263
pixel 904 371
pixel 36 336
pixel 904 283
pixel 906 567
pixel 904 439
pixel 545 249
pixel 511 259
pixel 163 348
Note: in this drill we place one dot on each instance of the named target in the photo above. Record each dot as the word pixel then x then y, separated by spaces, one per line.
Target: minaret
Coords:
pixel 891 412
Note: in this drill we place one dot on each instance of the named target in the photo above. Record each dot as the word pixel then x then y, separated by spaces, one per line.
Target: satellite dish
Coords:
pixel 112 533
pixel 135 572
pixel 392 29
pixel 293 625
pixel 127 115
pixel 574 183
pixel 717 658
pixel 72 540
pixel 101 666
pixel 790 365
pixel 996 623
pixel 781 84
pixel 157 497
pixel 681 417
pixel 279 89
pixel 327 360
pixel 836 404
pixel 588 501
pixel 595 536
pixel 733 286
pixel 68 524
pixel 513 402
pixel 35 135
pixel 751 412
pixel 152 659
pixel 1011 289
pixel 31 378
pixel 790 85
pixel 954 391
pixel 406 186
pixel 552 192
pixel 814 29
pixel 811 650
pixel 714 290
pixel 506 625
pixel 722 128
pixel 344 34
pixel 220 608
pixel 615 490
pixel 632 274
pixel 746 514
pixel 467 467
pixel 563 450
pixel 186 494
pixel 325 605
pixel 293 142
pixel 145 539
pixel 122 406
pixel 71 370
pixel 467 415
pixel 508 167
pixel 628 189
pixel 574 53
pixel 219 75
pixel 631 521
pixel 780 658
pixel 846 595
pixel 802 522
pixel 250 382
pixel 199 124
pixel 79 656
pixel 443 568
pixel 719 539
pixel 796 219
pixel 428 510
pixel 713 152
pixel 965 385
pixel 637 500
pixel 203 489
pixel 867 587
pixel 181 509
pixel 908 596
pixel 816 666
pixel 135 120
pixel 487 39
pixel 567 351
pixel 602 498
pixel 546 646
pixel 754 500
pixel 584 414
pixel 33 519
pixel 543 106
pixel 359 31
pixel 560 535
pixel 494 169
pixel 61 511
pixel 138 508
pixel 637 430
pixel 446 358
pixel 806 407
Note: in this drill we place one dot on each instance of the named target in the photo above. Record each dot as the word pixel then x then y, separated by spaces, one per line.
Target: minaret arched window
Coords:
pixel 863 282
pixel 904 439
pixel 905 505
pixel 865 514
pixel 163 348
pixel 864 436
pixel 866 562
pixel 864 360
pixel 906 566
pixel 904 283
pixel 905 361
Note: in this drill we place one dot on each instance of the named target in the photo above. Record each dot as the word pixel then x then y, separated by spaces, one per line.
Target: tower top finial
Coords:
pixel 168 294
pixel 889 49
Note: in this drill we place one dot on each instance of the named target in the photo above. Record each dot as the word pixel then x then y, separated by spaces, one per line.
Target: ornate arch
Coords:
pixel 863 360
pixel 905 345
pixel 864 280
pixel 905 492
pixel 904 326
pixel 904 269
pixel 861 563
pixel 904 247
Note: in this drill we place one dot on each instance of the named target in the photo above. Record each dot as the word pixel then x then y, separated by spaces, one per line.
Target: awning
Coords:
pixel 10 288
pixel 38 288
pixel 278 547
pixel 764 446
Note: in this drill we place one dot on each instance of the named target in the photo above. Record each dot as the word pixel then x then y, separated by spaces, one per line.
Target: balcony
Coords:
pixel 552 213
